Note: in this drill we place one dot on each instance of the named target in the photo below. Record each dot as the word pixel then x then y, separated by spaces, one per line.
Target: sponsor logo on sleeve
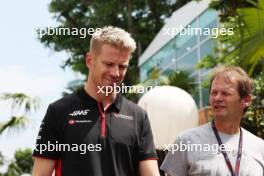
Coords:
pixel 122 116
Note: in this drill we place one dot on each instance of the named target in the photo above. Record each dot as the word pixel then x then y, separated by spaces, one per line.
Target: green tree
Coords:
pixel 229 8
pixel 177 78
pixel 21 164
pixel 23 104
pixel 181 79
pixel 143 19
pixel 244 48
pixel 1 159
pixel 24 161
pixel 13 170
pixel 20 103
pixel 254 120
pixel 247 43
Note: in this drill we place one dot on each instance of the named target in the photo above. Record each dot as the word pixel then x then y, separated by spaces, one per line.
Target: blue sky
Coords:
pixel 27 66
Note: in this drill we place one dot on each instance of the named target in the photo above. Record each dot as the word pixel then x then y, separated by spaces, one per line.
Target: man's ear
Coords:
pixel 247 101
pixel 88 59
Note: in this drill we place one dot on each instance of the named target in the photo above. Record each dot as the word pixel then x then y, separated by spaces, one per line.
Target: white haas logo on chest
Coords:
pixel 79 112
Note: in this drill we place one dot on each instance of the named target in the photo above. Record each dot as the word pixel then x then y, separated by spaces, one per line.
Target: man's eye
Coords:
pixel 213 93
pixel 122 66
pixel 108 64
pixel 225 93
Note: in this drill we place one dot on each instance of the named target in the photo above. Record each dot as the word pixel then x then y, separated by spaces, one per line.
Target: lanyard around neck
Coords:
pixel 225 154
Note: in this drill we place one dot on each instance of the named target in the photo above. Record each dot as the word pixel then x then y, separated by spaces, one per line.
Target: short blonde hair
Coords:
pixel 113 36
pixel 240 76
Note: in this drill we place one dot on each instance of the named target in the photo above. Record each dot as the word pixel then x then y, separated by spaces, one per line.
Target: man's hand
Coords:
pixel 149 168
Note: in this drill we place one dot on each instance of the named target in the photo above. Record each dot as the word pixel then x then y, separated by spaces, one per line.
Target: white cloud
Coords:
pixel 17 79
pixel 48 87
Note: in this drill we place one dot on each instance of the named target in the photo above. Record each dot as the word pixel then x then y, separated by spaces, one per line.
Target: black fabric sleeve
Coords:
pixel 48 136
pixel 147 147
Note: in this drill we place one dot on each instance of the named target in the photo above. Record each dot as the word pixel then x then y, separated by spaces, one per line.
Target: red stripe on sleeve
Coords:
pixel 58 168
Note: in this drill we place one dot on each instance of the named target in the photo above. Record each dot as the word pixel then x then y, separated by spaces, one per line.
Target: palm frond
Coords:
pixel 247 43
pixel 14 122
pixel 21 100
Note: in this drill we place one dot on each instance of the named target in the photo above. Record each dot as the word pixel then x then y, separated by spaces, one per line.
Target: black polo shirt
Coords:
pixel 86 143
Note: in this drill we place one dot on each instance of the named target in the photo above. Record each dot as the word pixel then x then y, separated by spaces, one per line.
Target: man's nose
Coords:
pixel 218 96
pixel 115 72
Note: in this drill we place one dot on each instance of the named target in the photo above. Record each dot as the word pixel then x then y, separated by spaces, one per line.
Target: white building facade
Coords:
pixel 183 41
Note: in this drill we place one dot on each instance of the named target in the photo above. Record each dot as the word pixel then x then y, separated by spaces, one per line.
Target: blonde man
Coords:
pixel 220 147
pixel 98 132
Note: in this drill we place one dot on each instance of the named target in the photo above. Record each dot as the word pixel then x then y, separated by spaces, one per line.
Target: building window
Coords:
pixel 207 48
pixel 208 19
pixel 183 52
pixel 188 61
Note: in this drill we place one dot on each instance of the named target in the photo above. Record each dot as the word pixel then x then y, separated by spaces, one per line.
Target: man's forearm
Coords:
pixel 149 168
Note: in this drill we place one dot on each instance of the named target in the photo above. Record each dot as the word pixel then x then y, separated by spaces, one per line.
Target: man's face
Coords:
pixel 109 66
pixel 225 99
